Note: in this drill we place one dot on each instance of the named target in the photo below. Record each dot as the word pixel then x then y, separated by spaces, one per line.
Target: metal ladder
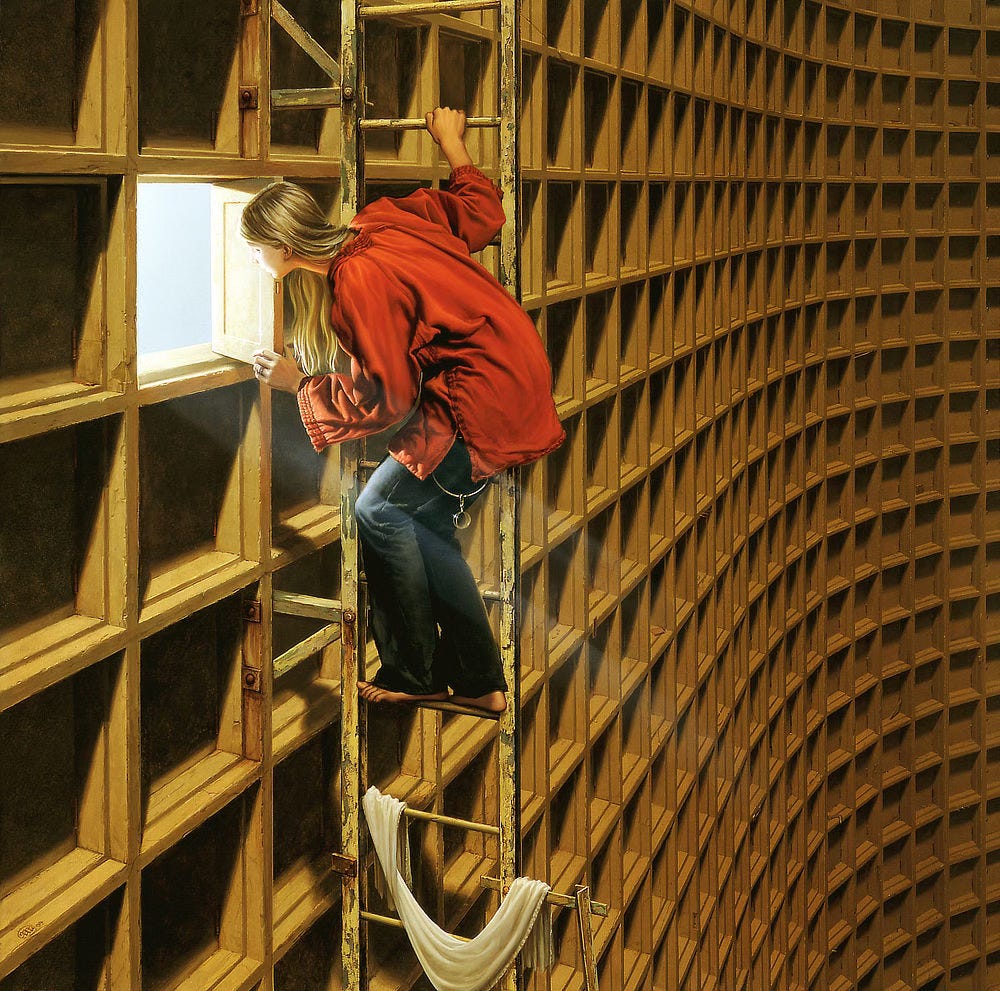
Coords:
pixel 347 90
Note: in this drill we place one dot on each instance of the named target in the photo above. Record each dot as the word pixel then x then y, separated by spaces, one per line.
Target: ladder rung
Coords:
pixel 369 465
pixel 475 827
pixel 305 99
pixel 491 594
pixel 553 897
pixel 425 7
pixel 309 606
pixel 284 663
pixel 462 710
pixel 394 923
pixel 418 123
pixel 382 920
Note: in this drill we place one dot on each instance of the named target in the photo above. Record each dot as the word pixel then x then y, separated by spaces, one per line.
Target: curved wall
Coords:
pixel 761 245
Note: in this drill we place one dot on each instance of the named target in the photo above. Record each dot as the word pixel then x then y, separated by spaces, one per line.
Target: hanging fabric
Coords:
pixel 450 963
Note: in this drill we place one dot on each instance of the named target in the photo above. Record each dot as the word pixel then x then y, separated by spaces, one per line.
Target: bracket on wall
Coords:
pixel 342 864
pixel 248 97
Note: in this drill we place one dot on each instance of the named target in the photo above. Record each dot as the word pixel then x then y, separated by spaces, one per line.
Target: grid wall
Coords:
pixel 760 245
pixel 759 593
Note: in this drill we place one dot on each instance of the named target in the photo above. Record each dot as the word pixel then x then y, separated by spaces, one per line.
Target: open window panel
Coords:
pixel 306 833
pixel 306 648
pixel 200 299
pixel 200 725
pixel 62 560
pixel 62 775
pixel 202 904
pixel 54 284
pixel 58 82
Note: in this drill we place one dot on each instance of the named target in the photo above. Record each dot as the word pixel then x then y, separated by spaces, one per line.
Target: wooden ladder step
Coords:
pixel 418 123
pixel 425 7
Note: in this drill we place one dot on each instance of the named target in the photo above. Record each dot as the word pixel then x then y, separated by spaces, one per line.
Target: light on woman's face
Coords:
pixel 273 260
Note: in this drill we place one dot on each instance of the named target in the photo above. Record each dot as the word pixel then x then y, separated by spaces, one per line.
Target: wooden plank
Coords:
pixel 310 606
pixel 367 11
pixel 305 41
pixel 53 900
pixel 31 664
pixel 166 827
pixel 583 913
pixel 303 715
pixel 185 371
pixel 132 910
pixel 305 99
pixel 301 895
pixel 284 663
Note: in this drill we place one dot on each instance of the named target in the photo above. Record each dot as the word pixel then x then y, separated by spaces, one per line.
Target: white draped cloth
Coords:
pixel 454 964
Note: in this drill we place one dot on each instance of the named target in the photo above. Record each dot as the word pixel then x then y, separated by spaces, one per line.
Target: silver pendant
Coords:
pixel 461 519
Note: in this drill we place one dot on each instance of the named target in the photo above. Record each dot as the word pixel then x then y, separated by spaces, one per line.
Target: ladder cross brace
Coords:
pixel 294 656
pixel 305 41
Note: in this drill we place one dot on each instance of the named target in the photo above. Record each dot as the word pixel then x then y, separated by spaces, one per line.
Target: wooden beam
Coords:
pixel 305 41
pixel 305 99
pixel 300 652
pixel 426 7
pixel 583 913
pixel 309 606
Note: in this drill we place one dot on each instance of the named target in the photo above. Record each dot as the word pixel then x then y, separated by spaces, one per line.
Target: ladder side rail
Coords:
pixel 352 719
pixel 509 743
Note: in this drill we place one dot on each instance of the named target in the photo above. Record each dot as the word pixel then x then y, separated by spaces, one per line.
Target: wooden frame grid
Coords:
pixel 758 636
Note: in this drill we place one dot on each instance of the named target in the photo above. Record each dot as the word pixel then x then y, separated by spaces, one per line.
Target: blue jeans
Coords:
pixel 418 582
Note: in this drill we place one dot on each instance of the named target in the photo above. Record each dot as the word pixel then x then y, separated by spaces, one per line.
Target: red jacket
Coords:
pixel 429 331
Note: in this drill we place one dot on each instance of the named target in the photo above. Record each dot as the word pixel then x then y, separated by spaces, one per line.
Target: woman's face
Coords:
pixel 277 262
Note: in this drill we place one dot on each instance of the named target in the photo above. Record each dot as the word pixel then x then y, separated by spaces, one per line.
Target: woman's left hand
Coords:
pixel 276 371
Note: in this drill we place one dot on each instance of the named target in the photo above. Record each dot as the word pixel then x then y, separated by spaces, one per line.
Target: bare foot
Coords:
pixel 495 702
pixel 372 693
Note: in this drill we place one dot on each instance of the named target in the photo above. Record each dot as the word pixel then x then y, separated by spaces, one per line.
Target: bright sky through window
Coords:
pixel 174 305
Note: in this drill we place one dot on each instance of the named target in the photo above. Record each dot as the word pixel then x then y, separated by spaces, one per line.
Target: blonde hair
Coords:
pixel 285 214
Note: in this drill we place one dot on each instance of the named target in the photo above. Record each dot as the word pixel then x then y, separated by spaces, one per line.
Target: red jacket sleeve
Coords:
pixel 470 207
pixel 374 319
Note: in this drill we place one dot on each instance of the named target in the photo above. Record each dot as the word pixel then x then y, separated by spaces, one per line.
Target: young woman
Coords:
pixel 394 323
